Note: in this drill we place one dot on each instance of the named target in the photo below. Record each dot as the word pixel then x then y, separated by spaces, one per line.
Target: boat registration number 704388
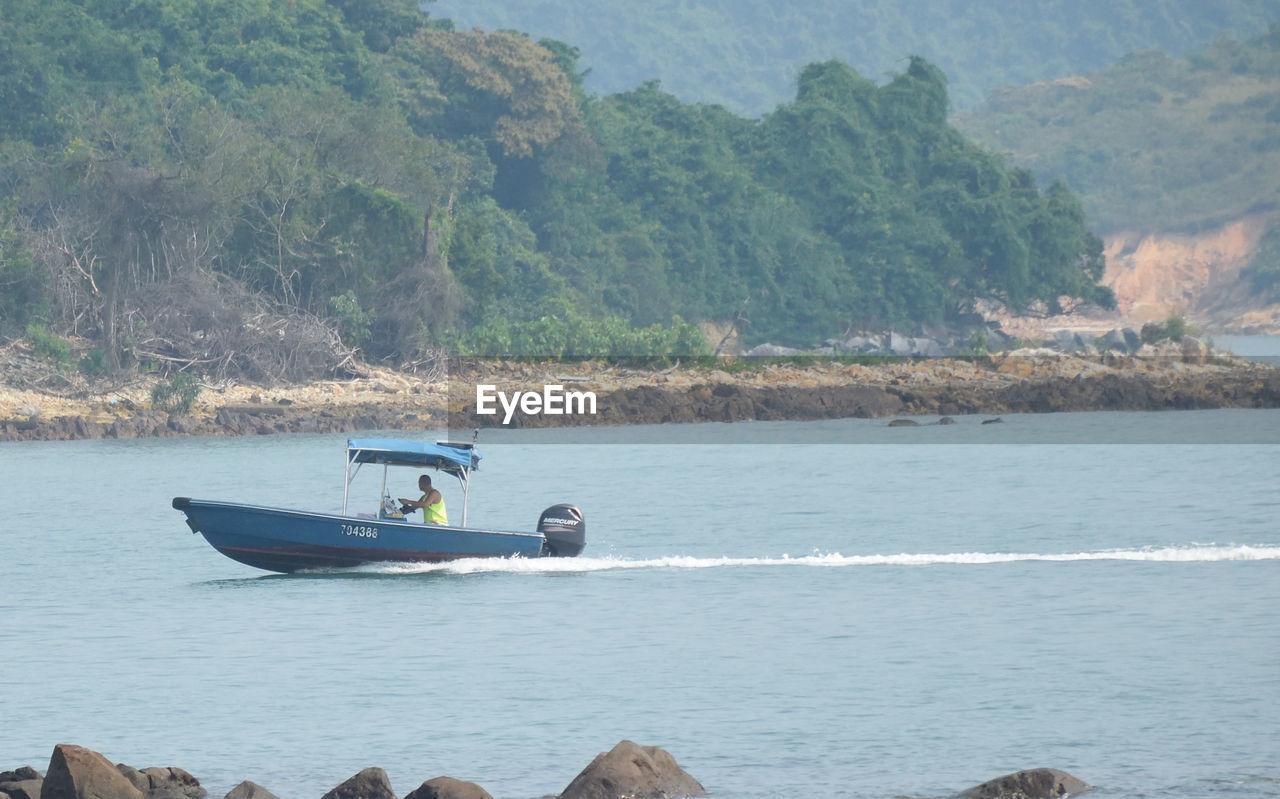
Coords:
pixel 360 530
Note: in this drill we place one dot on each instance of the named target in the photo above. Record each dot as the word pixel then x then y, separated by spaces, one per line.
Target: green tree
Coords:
pixel 52 53
pixel 25 295
pixel 382 22
pixel 502 87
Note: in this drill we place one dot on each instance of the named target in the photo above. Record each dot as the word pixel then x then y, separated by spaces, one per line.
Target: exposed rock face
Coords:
pixel 79 773
pixel 1154 275
pixel 249 790
pixel 448 788
pixel 372 783
pixel 1036 783
pixel 1157 274
pixel 634 772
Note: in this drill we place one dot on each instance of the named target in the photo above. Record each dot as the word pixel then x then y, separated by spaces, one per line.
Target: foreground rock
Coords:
pixel 372 783
pixel 1037 783
pixel 79 773
pixel 628 771
pixel 634 772
pixel 163 783
pixel 21 783
pixel 249 790
pixel 448 788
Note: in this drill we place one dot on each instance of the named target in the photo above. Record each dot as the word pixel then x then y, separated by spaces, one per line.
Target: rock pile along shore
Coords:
pixel 1023 381
pixel 627 771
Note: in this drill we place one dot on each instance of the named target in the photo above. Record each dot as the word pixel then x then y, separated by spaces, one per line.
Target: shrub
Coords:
pixel 575 336
pixel 94 362
pixel 353 321
pixel 979 343
pixel 49 344
pixel 177 394
pixel 1171 329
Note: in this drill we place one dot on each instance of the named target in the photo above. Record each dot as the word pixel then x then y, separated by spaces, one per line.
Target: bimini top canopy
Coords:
pixel 455 459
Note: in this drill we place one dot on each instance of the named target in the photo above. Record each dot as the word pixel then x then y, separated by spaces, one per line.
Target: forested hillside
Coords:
pixel 253 187
pixel 745 54
pixel 1155 143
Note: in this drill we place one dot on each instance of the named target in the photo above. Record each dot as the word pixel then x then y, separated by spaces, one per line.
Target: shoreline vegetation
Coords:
pixel 40 402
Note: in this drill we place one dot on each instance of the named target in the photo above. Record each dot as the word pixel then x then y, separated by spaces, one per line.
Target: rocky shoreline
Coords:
pixel 627 771
pixel 768 389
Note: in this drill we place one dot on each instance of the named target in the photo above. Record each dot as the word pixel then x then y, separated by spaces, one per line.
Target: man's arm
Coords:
pixel 419 504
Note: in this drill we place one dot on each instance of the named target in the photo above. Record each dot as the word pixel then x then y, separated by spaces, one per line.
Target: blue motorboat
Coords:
pixel 283 540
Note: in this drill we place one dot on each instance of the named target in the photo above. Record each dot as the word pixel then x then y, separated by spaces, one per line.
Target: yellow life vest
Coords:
pixel 434 514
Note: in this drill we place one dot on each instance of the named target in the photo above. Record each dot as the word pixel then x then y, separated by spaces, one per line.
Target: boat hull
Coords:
pixel 283 540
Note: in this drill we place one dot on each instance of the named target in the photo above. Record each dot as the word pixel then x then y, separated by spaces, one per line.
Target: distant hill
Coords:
pixel 1177 162
pixel 746 54
pixel 1153 143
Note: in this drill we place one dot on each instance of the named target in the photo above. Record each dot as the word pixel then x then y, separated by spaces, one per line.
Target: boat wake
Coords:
pixel 1194 553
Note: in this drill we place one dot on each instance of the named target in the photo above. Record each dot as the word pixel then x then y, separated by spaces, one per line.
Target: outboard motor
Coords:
pixel 565 530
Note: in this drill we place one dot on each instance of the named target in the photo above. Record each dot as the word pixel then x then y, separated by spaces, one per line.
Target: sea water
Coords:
pixel 827 609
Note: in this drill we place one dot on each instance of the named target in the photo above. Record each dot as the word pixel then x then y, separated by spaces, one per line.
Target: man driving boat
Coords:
pixel 431 503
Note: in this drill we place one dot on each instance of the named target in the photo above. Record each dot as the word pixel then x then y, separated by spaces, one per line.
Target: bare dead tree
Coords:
pixel 211 324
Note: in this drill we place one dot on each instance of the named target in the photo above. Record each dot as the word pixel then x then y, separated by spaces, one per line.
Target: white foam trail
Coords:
pixel 1195 553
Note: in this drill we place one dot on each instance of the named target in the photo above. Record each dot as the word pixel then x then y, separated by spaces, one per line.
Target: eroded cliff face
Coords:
pixel 1155 275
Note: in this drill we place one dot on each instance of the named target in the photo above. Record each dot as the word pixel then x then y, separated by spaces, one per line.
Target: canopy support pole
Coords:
pixel 346 481
pixel 464 477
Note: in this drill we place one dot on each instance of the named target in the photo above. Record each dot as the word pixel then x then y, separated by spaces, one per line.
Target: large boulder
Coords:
pixel 163 782
pixel 372 783
pixel 26 789
pixel 1193 350
pixel 899 345
pixel 634 772
pixel 249 790
pixel 1036 783
pixel 21 783
pixel 1114 341
pixel 927 348
pixel 770 351
pixel 79 773
pixel 1121 340
pixel 862 344
pixel 448 788
pixel 1071 342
